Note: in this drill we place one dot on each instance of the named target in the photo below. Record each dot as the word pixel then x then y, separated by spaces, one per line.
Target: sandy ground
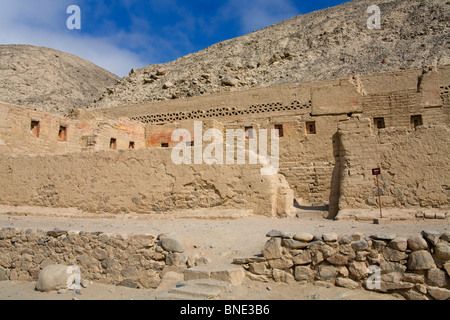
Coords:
pixel 220 240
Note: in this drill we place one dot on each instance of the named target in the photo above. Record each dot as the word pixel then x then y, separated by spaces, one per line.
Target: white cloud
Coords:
pixel 43 23
pixel 257 14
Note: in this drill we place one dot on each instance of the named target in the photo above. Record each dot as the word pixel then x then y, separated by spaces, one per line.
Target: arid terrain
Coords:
pixel 48 79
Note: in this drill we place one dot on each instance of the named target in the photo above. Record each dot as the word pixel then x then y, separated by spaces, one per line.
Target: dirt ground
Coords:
pixel 219 240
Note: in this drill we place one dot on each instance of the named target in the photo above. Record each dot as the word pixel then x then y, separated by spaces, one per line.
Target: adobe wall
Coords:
pixel 84 131
pixel 307 160
pixel 141 181
pixel 415 166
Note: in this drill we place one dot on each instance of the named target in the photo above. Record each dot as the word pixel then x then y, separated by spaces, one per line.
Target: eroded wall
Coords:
pixel 142 181
pixel 415 166
pixel 28 131
pixel 307 159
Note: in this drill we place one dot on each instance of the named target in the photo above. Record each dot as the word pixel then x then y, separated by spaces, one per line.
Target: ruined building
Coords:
pixel 331 135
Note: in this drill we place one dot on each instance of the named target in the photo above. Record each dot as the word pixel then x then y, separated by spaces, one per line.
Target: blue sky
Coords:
pixel 121 35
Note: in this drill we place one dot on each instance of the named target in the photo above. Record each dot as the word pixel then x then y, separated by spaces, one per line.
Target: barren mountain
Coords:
pixel 326 44
pixel 49 80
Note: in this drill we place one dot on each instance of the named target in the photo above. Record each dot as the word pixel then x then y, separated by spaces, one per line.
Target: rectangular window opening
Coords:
pixel 279 127
pixel 132 145
pixel 35 128
pixel 416 121
pixel 379 123
pixel 164 145
pixel 311 127
pixel 113 144
pixel 62 134
pixel 248 133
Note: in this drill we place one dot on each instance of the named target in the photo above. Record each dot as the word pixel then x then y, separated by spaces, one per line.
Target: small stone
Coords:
pixel 360 245
pixel 305 237
pixel 326 272
pixel 303 258
pixel 167 85
pixel 258 268
pixel 162 72
pixel 391 254
pixel 287 235
pixel 440 215
pixel 274 234
pixel 430 215
pixel 176 259
pixel 347 283
pixel 172 245
pixel 56 233
pixel 330 237
pixel 383 236
pixel 294 244
pixel 358 269
pixel 338 260
pixel 302 273
pixel 231 82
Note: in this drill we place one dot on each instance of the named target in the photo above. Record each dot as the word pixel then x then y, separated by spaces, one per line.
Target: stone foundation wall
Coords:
pixel 417 267
pixel 134 261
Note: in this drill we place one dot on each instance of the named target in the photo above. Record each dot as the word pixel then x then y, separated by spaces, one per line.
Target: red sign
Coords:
pixel 376 172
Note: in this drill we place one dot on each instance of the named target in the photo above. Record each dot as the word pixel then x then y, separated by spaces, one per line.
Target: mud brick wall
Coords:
pixel 417 267
pixel 17 136
pixel 141 181
pixel 415 166
pixel 133 260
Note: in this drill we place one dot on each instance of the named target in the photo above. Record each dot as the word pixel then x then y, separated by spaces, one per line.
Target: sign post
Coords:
pixel 376 172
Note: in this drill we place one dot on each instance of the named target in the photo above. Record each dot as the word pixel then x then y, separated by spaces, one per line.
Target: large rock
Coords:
pixel 235 276
pixel 347 283
pixel 360 245
pixel 431 236
pixel 3 275
pixel 303 273
pixel 273 249
pixel 399 243
pixel 417 243
pixel 442 251
pixel 436 278
pixel 439 293
pixel 304 237
pixel 420 260
pixel 54 277
pixel 326 272
pixel 391 254
pixel 172 245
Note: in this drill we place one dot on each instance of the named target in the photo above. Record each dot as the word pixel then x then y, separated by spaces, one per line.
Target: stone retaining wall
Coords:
pixel 417 267
pixel 134 261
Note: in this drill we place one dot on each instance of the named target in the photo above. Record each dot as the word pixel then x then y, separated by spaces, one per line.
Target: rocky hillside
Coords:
pixel 49 80
pixel 330 43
